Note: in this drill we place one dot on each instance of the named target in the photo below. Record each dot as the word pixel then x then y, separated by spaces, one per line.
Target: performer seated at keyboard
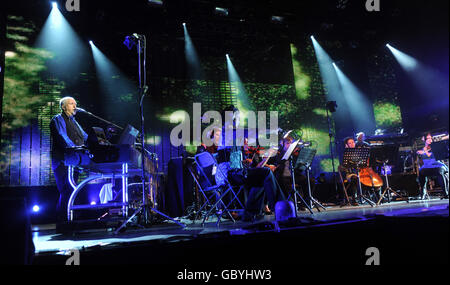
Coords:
pixel 360 140
pixel 350 175
pixel 260 182
pixel 430 167
pixel 65 132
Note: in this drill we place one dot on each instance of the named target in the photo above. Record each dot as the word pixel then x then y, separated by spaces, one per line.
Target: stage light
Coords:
pixel 93 203
pixel 35 208
pixel 54 5
pixel 277 19
pixel 406 61
pixel 331 106
pixel 90 42
pixel 221 11
pixel 155 3
pixel 184 24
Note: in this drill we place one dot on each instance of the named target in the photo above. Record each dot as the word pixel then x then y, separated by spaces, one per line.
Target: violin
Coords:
pixel 370 178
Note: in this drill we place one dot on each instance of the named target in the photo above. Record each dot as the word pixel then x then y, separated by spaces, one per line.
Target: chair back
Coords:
pixel 206 163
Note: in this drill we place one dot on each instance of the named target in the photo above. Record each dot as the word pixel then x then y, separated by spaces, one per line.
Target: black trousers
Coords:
pixel 437 172
pixel 65 190
pixel 262 186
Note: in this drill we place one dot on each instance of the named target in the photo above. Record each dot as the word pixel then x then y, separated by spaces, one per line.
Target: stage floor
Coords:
pixel 48 242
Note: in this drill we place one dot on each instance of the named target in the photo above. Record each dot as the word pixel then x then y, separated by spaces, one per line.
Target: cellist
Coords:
pixel 351 176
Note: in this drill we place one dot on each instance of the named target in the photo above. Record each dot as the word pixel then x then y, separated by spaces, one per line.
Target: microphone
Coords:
pixel 78 109
pixel 137 36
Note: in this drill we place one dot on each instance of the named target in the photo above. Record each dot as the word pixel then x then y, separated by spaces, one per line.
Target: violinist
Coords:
pixel 283 172
pixel 430 167
pixel 260 181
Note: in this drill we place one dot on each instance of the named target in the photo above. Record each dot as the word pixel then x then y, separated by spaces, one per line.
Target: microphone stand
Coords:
pixel 144 208
pixel 98 118
pixel 330 134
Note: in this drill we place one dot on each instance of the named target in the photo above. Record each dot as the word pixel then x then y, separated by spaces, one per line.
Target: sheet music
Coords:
pixel 290 150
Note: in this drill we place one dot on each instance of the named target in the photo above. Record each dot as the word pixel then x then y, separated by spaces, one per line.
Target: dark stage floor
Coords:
pixel 412 232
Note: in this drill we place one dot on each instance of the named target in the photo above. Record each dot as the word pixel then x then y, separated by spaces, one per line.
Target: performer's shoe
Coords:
pixel 251 216
pixel 424 196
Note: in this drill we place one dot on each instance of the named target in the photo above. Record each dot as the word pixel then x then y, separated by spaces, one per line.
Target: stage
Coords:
pixel 406 232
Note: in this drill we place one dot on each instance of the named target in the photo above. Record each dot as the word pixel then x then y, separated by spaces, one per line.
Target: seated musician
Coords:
pixel 430 167
pixel 350 175
pixel 215 135
pixel 283 172
pixel 260 182
pixel 365 174
pixel 65 132
pixel 360 140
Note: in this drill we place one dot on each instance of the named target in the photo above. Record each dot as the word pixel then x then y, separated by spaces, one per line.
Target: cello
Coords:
pixel 370 178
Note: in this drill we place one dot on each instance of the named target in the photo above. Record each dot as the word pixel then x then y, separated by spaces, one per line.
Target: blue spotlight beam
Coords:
pixel 115 86
pixel 69 52
pixel 332 88
pixel 233 78
pixel 432 85
pixel 407 62
pixel 360 108
pixel 194 67
pixel 329 78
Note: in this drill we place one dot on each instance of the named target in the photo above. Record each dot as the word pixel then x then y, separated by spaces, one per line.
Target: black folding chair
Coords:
pixel 207 186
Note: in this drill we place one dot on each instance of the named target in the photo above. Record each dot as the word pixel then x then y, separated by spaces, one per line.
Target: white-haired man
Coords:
pixel 65 132
pixel 361 140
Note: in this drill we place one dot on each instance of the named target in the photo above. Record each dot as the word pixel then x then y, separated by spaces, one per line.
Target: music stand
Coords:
pixel 382 155
pixel 357 158
pixel 305 158
pixel 128 136
pixel 288 156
